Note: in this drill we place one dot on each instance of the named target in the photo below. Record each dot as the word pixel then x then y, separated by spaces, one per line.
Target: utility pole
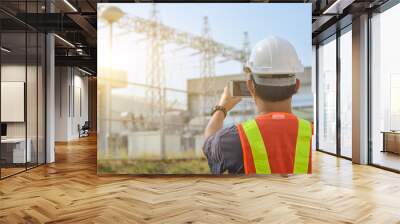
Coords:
pixel 111 15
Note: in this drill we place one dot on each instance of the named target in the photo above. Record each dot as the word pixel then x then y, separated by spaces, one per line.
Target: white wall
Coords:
pixel 81 100
pixel 71 102
pixel 12 73
pixel 61 103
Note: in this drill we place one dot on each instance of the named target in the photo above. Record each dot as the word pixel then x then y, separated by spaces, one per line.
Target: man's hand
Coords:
pixel 227 101
pixel 217 120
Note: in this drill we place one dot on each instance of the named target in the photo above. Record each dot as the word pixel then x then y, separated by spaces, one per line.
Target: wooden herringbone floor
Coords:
pixel 69 191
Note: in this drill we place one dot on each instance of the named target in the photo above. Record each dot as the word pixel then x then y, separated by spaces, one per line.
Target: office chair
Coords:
pixel 84 130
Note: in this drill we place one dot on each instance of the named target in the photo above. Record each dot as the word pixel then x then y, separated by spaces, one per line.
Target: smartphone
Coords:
pixel 239 88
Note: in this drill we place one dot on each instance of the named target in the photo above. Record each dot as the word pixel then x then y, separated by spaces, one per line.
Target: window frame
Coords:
pixel 333 37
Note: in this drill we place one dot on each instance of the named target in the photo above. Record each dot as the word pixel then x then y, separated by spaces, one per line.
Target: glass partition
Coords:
pixel 31 97
pixel 13 114
pixel 41 91
pixel 22 77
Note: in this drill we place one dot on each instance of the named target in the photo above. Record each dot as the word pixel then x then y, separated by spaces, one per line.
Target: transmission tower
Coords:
pixel 246 46
pixel 160 35
pixel 207 64
pixel 155 66
pixel 171 35
pixel 155 76
pixel 248 105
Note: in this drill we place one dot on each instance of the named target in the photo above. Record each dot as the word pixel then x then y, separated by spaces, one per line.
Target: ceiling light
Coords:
pixel 65 41
pixel 79 51
pixel 84 71
pixel 70 5
pixel 338 6
pixel 5 50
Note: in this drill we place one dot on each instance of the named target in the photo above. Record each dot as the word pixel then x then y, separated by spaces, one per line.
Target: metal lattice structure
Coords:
pixel 172 35
pixel 155 76
pixel 246 45
pixel 207 65
pixel 160 34
pixel 246 48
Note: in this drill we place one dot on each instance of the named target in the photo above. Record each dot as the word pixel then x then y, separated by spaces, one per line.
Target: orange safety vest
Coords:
pixel 276 143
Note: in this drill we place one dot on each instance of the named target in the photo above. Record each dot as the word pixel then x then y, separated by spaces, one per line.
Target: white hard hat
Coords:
pixel 274 62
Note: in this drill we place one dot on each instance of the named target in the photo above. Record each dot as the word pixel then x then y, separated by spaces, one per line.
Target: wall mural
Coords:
pixel 162 68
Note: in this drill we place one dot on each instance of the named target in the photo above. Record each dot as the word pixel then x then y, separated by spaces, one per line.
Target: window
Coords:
pixel 346 93
pixel 385 87
pixel 327 96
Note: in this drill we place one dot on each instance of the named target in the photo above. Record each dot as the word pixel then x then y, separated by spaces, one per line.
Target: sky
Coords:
pixel 227 22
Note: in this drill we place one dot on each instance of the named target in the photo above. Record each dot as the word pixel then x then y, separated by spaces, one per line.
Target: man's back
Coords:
pixel 275 142
pixel 226 150
pixel 279 142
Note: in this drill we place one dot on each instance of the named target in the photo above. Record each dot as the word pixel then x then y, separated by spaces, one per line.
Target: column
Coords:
pixel 360 90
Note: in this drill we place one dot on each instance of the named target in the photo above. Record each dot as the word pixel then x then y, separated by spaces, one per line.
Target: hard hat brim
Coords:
pixel 274 80
pixel 272 71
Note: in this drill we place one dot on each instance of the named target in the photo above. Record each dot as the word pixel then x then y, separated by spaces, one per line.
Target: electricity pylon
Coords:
pixel 170 35
pixel 246 46
pixel 155 76
pixel 207 64
pixel 158 36
pixel 246 49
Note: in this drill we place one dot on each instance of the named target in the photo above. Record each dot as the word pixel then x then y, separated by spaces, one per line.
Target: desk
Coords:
pixel 16 147
pixel 391 141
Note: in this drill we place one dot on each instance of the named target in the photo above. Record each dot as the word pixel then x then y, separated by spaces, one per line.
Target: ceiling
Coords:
pixel 75 21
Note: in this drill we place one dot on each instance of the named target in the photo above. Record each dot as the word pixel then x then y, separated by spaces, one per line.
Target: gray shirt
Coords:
pixel 224 151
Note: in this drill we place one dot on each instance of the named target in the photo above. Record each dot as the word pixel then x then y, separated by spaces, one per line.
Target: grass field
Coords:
pixel 169 166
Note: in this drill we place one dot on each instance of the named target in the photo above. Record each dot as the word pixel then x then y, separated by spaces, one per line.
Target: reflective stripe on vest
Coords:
pixel 258 150
pixel 260 154
pixel 303 145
